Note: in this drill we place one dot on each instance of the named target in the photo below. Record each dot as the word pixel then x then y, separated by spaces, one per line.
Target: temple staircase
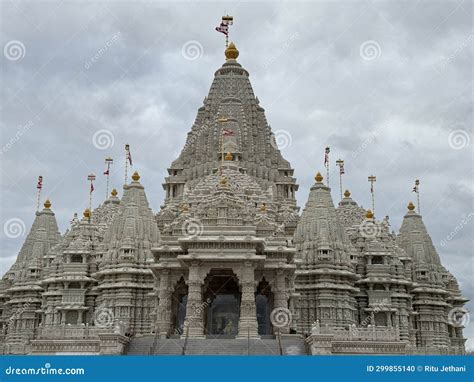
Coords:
pixel 149 345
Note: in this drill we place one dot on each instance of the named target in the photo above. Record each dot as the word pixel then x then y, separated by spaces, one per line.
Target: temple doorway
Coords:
pixel 222 297
pixel 264 304
pixel 178 307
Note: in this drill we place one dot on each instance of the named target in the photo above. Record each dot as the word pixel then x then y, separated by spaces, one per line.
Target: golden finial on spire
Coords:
pixel 228 157
pixel 136 176
pixel 411 206
pixel 87 213
pixel 231 52
pixel 47 204
pixel 114 193
pixel 223 181
pixel 369 214
pixel 318 177
pixel 263 208
pixel 347 194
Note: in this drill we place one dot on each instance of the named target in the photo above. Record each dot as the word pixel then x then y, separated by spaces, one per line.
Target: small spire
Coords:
pixel 231 52
pixel 47 204
pixel 114 193
pixel 369 214
pixel 136 176
pixel 411 206
pixel 318 177
pixel 347 194
pixel 184 207
pixel 263 208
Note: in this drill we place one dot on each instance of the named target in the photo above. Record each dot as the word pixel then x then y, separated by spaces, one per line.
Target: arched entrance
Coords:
pixel 222 297
pixel 178 307
pixel 264 304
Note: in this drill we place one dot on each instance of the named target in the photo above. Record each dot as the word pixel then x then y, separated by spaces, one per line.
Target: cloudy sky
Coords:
pixel 387 85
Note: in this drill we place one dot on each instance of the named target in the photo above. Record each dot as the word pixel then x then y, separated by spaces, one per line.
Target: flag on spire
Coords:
pixel 326 156
pixel 341 169
pixel 39 186
pixel 129 154
pixel 106 172
pixel 227 133
pixel 92 187
pixel 415 188
pixel 223 28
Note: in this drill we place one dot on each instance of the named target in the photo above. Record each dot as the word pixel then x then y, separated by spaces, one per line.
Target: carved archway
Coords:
pixel 264 306
pixel 222 302
pixel 179 300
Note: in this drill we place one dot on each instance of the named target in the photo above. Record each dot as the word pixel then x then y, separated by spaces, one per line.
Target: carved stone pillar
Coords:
pixel 248 325
pixel 281 315
pixel 163 319
pixel 193 324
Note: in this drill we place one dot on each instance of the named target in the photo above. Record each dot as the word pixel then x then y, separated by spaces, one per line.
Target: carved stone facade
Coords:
pixel 229 256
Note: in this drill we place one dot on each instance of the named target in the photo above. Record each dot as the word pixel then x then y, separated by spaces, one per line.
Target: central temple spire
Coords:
pixel 251 144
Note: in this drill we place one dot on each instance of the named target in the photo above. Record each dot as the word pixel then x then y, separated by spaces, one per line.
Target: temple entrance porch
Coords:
pixel 222 294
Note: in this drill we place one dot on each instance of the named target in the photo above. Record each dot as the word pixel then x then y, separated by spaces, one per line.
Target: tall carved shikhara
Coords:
pixel 338 274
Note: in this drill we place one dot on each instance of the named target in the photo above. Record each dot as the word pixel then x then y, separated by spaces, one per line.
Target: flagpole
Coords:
pixel 108 161
pixel 372 180
pixel 227 20
pixel 340 163
pixel 417 185
pixel 39 186
pixel 91 178
pixel 127 149
pixel 326 159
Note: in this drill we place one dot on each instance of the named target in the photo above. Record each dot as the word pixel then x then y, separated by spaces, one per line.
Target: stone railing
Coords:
pixel 75 268
pixel 377 269
pixel 379 298
pixel 71 332
pixel 374 333
pixel 73 297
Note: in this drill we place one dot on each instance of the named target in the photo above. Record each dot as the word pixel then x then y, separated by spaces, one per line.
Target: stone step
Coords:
pixel 216 346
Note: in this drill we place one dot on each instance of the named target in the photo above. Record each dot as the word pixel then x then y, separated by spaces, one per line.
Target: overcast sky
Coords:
pixel 387 85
